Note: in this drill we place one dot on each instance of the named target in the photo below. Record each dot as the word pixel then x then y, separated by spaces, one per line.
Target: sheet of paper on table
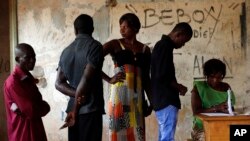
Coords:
pixel 224 114
pixel 216 114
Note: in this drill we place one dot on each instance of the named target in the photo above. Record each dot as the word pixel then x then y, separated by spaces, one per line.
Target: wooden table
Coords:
pixel 217 128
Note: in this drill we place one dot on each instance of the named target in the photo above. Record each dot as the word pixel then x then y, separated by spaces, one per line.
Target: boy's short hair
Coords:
pixel 84 24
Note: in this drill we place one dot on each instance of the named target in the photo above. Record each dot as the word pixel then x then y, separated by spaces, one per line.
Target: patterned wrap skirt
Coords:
pixel 126 120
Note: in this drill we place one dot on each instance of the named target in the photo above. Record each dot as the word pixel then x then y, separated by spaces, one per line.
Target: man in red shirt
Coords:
pixel 23 101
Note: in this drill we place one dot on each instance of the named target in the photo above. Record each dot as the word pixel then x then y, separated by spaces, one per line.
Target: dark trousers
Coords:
pixel 88 127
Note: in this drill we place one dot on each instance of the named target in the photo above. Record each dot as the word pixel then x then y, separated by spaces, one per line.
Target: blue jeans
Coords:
pixel 167 121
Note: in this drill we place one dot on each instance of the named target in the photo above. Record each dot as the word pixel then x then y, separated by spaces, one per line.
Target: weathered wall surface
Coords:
pixel 219 31
pixel 4 62
pixel 217 34
pixel 248 45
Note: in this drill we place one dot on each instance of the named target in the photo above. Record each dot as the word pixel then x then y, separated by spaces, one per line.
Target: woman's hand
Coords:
pixel 119 77
pixel 221 107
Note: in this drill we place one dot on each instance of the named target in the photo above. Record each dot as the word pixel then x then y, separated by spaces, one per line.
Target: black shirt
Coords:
pixel 82 51
pixel 162 74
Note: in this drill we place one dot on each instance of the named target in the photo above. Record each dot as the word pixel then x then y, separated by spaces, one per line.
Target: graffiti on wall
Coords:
pixel 200 60
pixel 171 15
pixel 216 29
pixel 200 16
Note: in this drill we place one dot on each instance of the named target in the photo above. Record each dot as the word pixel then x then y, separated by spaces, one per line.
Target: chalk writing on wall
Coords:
pixel 206 19
pixel 200 60
pixel 216 29
pixel 168 17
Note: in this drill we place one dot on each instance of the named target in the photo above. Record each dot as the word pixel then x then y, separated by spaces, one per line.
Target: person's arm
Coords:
pixel 44 108
pixel 81 91
pixel 197 105
pixel 146 81
pixel 105 77
pixel 62 85
pixel 147 88
pixel 85 84
pixel 119 77
pixel 196 102
pixel 28 100
pixel 109 48
pixel 181 88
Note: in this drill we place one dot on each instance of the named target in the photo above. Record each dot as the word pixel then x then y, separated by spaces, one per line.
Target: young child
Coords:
pixel 209 96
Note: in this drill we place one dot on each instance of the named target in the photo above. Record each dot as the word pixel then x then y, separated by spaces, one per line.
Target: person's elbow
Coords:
pixel 45 108
pixel 36 111
pixel 58 85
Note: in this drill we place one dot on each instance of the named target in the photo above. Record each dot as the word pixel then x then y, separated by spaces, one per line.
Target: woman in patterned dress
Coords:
pixel 131 68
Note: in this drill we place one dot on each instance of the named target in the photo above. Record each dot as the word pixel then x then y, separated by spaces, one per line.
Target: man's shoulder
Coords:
pixel 11 81
pixel 87 42
pixel 94 46
pixel 160 46
pixel 68 49
pixel 95 43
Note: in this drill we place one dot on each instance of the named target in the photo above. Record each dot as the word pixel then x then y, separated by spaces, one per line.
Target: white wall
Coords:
pixel 48 27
